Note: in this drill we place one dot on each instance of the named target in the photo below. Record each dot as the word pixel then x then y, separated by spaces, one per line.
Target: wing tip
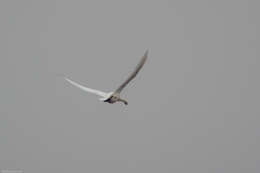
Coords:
pixel 67 79
pixel 146 52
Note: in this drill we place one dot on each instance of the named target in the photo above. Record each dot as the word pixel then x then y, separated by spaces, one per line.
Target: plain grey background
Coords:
pixel 194 107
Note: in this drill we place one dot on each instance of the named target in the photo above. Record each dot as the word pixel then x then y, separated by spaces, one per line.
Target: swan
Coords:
pixel 112 97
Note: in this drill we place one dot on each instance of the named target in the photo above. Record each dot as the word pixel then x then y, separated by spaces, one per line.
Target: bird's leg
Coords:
pixel 124 101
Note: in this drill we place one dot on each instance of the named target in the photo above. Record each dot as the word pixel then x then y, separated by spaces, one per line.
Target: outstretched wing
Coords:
pixel 99 93
pixel 137 69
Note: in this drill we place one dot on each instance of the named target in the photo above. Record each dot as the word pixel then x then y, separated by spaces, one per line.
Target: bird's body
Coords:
pixel 113 97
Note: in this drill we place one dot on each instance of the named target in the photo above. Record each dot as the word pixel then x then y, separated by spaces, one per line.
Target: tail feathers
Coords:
pixel 124 101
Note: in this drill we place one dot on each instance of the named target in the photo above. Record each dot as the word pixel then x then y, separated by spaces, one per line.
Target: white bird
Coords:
pixel 114 96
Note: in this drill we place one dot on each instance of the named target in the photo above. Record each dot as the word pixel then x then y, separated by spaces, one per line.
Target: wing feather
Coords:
pixel 93 91
pixel 134 73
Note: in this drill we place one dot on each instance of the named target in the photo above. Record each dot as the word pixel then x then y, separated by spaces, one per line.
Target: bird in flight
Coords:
pixel 113 97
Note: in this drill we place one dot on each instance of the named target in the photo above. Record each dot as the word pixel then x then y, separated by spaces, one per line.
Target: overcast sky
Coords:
pixel 194 107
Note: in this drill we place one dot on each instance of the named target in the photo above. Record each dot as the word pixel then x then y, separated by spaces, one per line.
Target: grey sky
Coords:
pixel 194 107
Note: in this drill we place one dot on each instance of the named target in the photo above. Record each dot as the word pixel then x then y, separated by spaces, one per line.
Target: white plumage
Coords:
pixel 112 97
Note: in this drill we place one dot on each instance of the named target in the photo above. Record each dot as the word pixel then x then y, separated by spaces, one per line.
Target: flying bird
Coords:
pixel 113 97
